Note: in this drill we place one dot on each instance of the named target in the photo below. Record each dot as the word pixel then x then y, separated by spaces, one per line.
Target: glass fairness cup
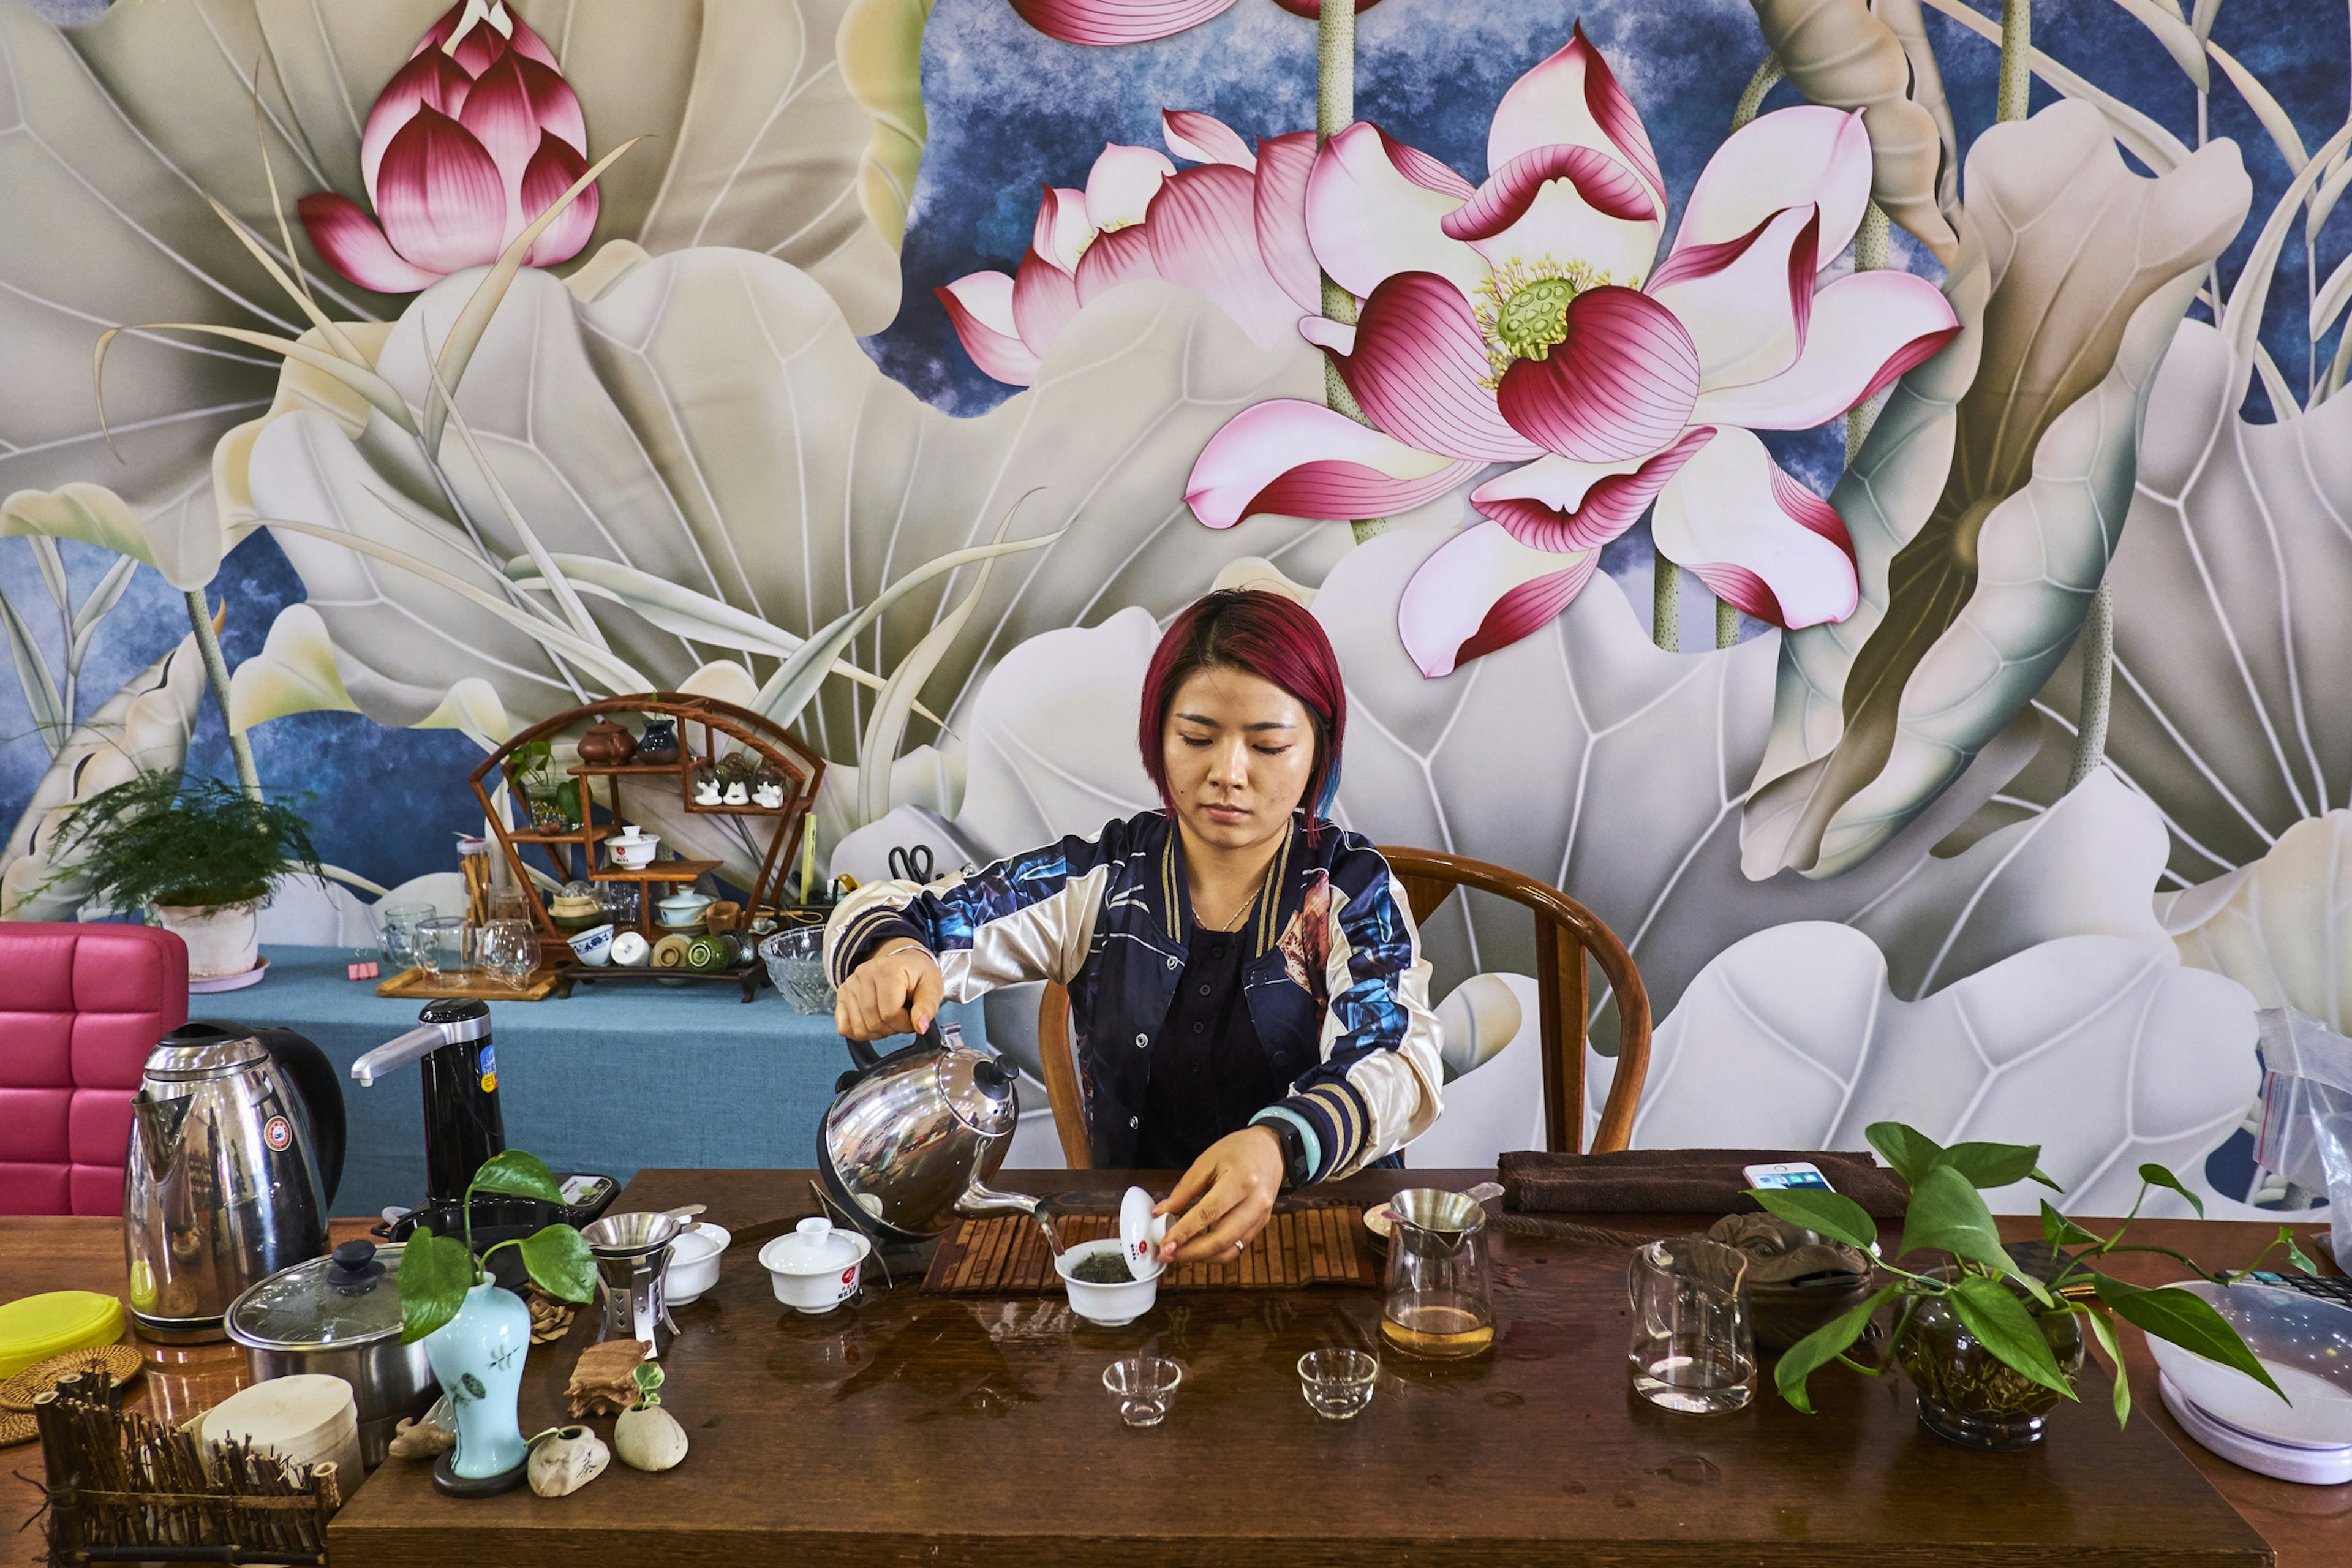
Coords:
pixel 1439 1303
pixel 1692 1348
pixel 396 925
pixel 1145 1385
pixel 1337 1383
pixel 445 945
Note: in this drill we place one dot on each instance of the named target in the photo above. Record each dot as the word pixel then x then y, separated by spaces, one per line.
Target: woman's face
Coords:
pixel 1239 751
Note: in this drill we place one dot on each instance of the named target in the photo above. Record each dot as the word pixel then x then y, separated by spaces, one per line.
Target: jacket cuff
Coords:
pixel 864 932
pixel 1338 1127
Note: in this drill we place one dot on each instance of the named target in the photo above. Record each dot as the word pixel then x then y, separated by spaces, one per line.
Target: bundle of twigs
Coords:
pixel 124 1489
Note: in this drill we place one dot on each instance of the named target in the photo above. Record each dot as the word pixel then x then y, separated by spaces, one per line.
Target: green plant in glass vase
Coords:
pixel 477 1334
pixel 1991 1347
pixel 200 853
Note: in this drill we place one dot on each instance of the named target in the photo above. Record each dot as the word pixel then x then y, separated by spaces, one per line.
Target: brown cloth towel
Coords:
pixel 1681 1181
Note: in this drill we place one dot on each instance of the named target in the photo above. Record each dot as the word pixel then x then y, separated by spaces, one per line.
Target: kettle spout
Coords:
pixel 159 1133
pixel 980 1199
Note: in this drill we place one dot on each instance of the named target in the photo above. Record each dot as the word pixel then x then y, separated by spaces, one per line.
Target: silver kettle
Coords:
pixel 235 1148
pixel 912 1138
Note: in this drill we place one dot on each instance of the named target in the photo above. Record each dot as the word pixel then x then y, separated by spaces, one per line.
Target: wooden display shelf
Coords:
pixel 586 769
pixel 659 871
pixel 570 837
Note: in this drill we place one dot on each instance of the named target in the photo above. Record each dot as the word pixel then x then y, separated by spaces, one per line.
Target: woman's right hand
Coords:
pixel 896 991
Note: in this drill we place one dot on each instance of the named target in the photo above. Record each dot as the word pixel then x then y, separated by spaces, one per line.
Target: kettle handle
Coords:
pixel 861 1052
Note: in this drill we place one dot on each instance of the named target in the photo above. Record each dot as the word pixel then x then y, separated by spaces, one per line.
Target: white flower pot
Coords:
pixel 221 942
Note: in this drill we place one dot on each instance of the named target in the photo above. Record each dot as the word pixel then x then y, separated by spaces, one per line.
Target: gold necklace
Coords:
pixel 1248 904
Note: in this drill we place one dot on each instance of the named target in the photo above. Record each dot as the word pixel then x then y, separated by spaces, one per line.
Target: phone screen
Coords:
pixel 1808 1177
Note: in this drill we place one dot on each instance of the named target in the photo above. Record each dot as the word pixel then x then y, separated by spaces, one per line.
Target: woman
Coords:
pixel 1246 986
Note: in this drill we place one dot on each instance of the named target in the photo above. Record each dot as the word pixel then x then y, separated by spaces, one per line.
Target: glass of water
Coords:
pixel 795 960
pixel 1693 1351
pixel 1145 1386
pixel 1337 1383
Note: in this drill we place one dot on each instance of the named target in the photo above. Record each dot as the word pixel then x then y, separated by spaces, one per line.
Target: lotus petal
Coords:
pixel 1807 157
pixel 1747 302
pixel 1203 234
pixel 1204 139
pixel 1559 203
pixel 352 245
pixel 1120 185
pixel 443 202
pixel 1572 98
pixel 1621 384
pixel 1755 536
pixel 1301 459
pixel 554 169
pixel 1557 503
pixel 1418 369
pixel 1373 210
pixel 1116 21
pixel 431 80
pixel 500 115
pixel 1284 165
pixel 1838 53
pixel 1062 229
pixel 980 306
pixel 1045 298
pixel 1481 590
pixel 1117 258
pixel 1862 332
pixel 1984 599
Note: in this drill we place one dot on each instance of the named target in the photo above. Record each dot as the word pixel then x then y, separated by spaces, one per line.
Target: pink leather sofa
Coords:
pixel 80 1006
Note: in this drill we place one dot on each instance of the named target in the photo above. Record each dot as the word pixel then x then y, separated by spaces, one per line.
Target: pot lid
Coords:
pixel 1140 1232
pixel 203 1049
pixel 346 1298
pixel 813 1247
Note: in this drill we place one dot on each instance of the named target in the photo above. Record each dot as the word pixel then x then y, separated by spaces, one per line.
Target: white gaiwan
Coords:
pixel 1140 1232
pixel 814 1269
pixel 632 847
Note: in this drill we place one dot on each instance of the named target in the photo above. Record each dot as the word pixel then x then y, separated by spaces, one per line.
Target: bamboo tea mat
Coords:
pixel 1314 1244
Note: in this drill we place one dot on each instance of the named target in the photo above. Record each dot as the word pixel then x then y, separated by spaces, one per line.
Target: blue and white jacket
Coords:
pixel 1336 987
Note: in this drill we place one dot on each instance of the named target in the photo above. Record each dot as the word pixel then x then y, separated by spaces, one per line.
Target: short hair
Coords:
pixel 1264 634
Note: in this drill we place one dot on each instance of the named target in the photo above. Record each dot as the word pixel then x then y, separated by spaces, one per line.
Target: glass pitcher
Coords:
pixel 1693 1350
pixel 1439 1304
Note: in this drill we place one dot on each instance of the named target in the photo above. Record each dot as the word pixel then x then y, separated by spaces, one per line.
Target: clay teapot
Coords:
pixel 606 745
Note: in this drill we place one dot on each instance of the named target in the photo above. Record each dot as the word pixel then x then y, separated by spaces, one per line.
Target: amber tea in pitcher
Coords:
pixel 1438 1304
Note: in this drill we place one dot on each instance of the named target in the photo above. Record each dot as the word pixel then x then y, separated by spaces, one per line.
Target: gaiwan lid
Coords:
pixel 349 1297
pixel 815 1247
pixel 1140 1232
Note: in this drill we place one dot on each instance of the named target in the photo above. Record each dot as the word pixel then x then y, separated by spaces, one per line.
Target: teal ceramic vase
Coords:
pixel 478 1356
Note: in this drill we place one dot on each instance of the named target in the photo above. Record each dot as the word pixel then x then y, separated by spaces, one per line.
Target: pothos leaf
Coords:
pixel 557 1257
pixel 436 1272
pixel 2157 1176
pixel 1947 1214
pixel 2059 1231
pixel 2188 1321
pixel 523 1174
pixel 2000 1322
pixel 1819 1348
pixel 2105 1330
pixel 1998 1164
pixel 1911 1151
pixel 1832 1213
pixel 2294 1254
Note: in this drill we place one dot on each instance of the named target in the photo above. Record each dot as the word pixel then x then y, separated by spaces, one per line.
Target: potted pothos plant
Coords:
pixel 1991 1347
pixel 199 853
pixel 477 1334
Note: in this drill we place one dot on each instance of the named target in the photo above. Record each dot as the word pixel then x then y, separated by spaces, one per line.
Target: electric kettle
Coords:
pixel 237 1145
pixel 912 1138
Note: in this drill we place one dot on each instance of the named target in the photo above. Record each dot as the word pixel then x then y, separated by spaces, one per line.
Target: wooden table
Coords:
pixel 962 1429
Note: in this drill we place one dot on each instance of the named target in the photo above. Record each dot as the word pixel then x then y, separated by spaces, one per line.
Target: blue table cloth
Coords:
pixel 612 1079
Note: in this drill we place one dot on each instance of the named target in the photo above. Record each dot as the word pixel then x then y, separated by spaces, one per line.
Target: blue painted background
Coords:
pixel 1012 110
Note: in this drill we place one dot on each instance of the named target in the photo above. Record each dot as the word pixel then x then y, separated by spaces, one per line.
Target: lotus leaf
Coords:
pixel 2281 927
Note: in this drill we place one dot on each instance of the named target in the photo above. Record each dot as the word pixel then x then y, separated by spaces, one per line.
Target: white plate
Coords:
pixel 229 982
pixel 2287 1461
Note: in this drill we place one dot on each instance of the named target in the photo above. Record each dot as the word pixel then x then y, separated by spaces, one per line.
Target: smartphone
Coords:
pixel 1795 1174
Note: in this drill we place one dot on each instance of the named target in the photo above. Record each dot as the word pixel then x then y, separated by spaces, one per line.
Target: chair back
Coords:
pixel 1565 933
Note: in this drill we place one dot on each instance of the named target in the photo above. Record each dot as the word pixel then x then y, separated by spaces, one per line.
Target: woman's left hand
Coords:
pixel 1226 1197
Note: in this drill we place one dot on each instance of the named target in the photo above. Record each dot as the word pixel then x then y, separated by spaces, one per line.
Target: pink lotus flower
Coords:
pixel 468 143
pixel 1521 322
pixel 1137 21
pixel 1233 229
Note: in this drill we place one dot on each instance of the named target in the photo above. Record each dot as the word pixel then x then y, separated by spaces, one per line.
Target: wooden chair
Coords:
pixel 1565 931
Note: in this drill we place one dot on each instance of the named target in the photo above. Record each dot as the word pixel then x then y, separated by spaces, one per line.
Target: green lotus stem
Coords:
pixel 2016 60
pixel 1666 604
pixel 1768 76
pixel 1335 110
pixel 1726 624
pixel 2098 645
pixel 216 671
pixel 1871 254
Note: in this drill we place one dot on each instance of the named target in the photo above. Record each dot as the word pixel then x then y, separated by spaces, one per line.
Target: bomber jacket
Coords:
pixel 1336 984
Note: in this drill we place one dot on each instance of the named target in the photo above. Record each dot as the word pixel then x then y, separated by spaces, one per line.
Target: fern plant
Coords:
pixel 193 843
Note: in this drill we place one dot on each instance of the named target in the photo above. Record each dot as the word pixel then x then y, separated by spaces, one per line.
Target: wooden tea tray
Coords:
pixel 1311 1244
pixel 416 983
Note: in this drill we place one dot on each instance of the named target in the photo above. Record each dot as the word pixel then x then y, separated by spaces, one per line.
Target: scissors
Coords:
pixel 913 865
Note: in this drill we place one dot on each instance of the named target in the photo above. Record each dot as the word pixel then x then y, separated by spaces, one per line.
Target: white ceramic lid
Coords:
pixel 1140 1232
pixel 813 1247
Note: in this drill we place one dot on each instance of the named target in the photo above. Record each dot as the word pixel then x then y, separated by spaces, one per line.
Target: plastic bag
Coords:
pixel 2306 1131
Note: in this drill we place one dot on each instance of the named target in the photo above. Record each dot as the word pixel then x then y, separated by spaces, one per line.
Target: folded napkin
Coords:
pixel 1681 1181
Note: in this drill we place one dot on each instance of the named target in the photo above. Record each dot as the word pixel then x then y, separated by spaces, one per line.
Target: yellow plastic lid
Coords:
pixel 35 1328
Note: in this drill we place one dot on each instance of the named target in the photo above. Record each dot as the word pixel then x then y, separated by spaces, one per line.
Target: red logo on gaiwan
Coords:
pixel 278 1134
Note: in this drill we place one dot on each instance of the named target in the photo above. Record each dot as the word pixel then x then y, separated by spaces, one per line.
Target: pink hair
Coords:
pixel 1263 635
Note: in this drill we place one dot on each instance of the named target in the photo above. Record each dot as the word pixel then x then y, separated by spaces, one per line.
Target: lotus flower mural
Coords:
pixel 471 140
pixel 1137 21
pixel 1233 229
pixel 1527 322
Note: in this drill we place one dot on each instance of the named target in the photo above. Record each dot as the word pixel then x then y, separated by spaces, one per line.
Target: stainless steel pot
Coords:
pixel 339 1315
